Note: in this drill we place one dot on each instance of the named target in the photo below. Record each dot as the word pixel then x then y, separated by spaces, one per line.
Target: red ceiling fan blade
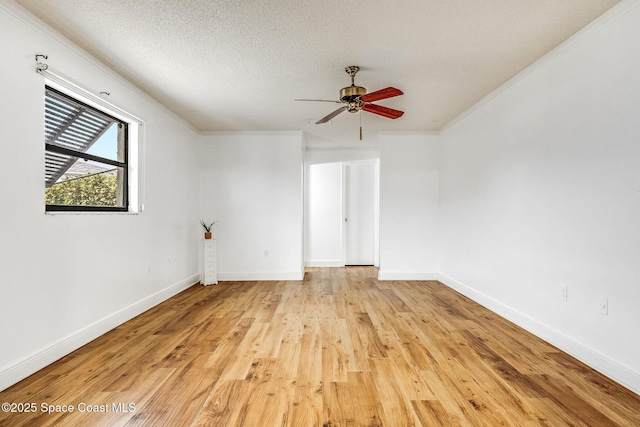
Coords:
pixel 331 116
pixel 383 111
pixel 385 93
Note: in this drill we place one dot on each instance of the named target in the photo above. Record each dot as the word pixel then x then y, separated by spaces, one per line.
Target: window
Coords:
pixel 86 156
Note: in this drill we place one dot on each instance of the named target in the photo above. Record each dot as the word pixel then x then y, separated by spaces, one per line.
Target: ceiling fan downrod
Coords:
pixel 352 70
pixel 350 95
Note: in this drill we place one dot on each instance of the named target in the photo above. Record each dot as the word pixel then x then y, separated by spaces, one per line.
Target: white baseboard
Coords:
pixel 406 275
pixel 597 361
pixel 21 369
pixel 258 277
pixel 324 263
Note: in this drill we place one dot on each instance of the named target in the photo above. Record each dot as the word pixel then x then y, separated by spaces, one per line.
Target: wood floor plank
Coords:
pixel 406 374
pixel 617 403
pixel 433 413
pixel 568 400
pixel 338 356
pixel 225 403
pixel 397 411
pixel 192 384
pixel 338 348
pixel 266 405
pixel 369 335
pixel 353 403
pixel 267 398
pixel 398 304
pixel 413 346
pixel 305 408
pixel 240 360
pixel 228 346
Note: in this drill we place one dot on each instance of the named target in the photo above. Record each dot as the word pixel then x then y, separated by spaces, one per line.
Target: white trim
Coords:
pixel 333 148
pixel 324 263
pixel 406 275
pixel 591 29
pixel 17 371
pixel 259 277
pixel 252 132
pixel 90 213
pixel 409 132
pixel 621 374
pixel 66 84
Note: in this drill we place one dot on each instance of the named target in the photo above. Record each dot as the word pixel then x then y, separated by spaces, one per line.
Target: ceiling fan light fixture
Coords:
pixel 355 105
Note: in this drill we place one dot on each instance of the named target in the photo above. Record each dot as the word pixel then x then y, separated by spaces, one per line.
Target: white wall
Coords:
pixel 252 183
pixel 540 188
pixel 316 155
pixel 409 179
pixel 66 279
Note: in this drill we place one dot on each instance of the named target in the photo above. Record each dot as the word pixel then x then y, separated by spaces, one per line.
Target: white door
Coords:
pixel 359 208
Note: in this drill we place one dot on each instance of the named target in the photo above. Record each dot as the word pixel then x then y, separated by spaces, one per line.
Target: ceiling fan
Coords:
pixel 355 98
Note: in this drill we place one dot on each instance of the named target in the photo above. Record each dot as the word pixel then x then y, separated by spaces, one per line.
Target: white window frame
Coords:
pixel 135 131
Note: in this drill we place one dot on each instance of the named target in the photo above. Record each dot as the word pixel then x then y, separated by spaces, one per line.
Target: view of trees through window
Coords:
pixel 90 190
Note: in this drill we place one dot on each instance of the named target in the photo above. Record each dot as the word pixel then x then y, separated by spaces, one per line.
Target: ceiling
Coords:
pixel 232 65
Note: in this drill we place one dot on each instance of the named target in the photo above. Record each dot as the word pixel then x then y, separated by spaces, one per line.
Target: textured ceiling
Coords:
pixel 232 65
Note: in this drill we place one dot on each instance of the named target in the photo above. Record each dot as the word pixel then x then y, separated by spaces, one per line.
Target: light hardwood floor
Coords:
pixel 337 349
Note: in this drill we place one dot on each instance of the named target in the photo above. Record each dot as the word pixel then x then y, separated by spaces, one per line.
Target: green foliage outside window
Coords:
pixel 90 190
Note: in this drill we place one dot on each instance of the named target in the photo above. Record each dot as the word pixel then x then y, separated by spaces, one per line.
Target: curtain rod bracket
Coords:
pixel 41 66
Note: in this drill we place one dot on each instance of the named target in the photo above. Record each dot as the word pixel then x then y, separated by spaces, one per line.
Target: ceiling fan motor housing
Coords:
pixel 350 95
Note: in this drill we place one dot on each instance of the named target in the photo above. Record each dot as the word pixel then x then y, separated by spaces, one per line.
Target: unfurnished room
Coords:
pixel 320 213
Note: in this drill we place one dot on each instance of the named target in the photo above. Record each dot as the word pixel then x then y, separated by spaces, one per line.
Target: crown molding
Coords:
pixel 251 132
pixel 27 18
pixel 589 31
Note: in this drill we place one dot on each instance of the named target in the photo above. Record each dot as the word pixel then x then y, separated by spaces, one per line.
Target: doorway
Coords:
pixel 341 213
pixel 359 213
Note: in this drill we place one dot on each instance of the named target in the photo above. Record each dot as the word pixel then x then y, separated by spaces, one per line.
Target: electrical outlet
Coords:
pixel 563 293
pixel 603 305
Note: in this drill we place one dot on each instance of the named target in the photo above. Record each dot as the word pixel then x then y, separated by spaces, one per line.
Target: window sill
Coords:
pixel 88 213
